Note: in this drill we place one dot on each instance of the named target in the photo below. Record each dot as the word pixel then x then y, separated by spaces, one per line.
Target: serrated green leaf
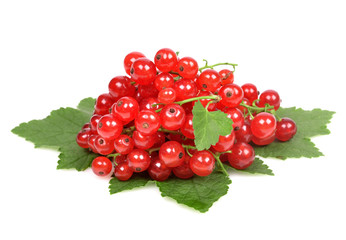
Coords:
pixel 197 192
pixel 209 126
pixel 257 167
pixel 309 124
pixel 137 180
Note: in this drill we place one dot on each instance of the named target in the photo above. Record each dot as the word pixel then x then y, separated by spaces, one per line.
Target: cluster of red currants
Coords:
pixel 144 122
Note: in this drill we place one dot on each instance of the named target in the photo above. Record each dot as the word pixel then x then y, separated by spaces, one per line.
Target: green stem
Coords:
pixel 169 131
pixel 257 109
pixel 217 64
pixel 217 157
pixel 114 156
pixel 153 150
pixel 214 97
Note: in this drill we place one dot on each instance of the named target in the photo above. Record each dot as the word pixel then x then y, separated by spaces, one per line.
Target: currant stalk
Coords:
pixel 217 64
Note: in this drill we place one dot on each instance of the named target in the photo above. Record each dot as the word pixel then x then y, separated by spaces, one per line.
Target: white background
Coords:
pixel 55 53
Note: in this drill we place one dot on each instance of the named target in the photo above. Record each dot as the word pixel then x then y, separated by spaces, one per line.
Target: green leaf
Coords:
pixel 257 167
pixel 137 180
pixel 209 126
pixel 87 105
pixel 197 192
pixel 309 124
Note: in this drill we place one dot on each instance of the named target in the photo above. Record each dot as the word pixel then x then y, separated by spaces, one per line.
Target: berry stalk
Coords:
pixel 217 64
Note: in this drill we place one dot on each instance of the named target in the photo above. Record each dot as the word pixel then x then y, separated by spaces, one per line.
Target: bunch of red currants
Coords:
pixel 145 121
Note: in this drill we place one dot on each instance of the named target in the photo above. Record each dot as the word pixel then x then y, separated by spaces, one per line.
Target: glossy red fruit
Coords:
pixel 184 89
pixel 244 110
pixel 263 125
pixel 242 155
pixel 94 120
pixel 143 142
pixel 204 102
pixel 160 139
pixel 270 97
pixel 166 60
pixel 202 163
pixel 209 80
pixel 250 92
pixel 123 172
pixel 286 128
pixel 263 141
pixel 147 91
pixel 121 86
pixel 125 109
pixel 103 103
pixel 237 117
pixel 147 122
pixel 91 143
pixel 167 96
pixel 187 67
pixel 101 166
pixel 184 171
pixel 227 76
pixel 82 137
pixel 147 104
pixel 109 126
pixel 163 80
pixel 172 117
pixel 172 154
pixel 187 128
pixel 231 95
pixel 123 144
pixel 130 58
pixel 143 71
pixel 158 171
pixel 104 146
pixel 138 160
pixel 225 143
pixel 244 134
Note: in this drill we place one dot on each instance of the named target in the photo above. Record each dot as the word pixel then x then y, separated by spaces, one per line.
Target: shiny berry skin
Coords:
pixel 82 137
pixel 270 97
pixel 211 106
pixel 187 128
pixel 120 159
pixel 143 71
pixel 202 163
pixel 263 125
pixel 184 89
pixel 147 91
pixel 172 117
pixel 147 122
pixel 104 146
pixel 91 143
pixel 225 143
pixel 184 171
pixel 143 142
pixel 244 110
pixel 160 139
pixel 244 134
pixel 138 160
pixel 242 155
pixel 163 80
pixel 101 166
pixel 227 76
pixel 123 144
pixel 209 80
pixel 109 126
pixel 263 141
pixel 250 92
pixel 130 58
pixel 121 86
pixel 103 103
pixel 187 67
pixel 147 104
pixel 125 109
pixel 167 96
pixel 158 171
pixel 231 95
pixel 94 120
pixel 237 117
pixel 166 60
pixel 286 128
pixel 172 154
pixel 123 172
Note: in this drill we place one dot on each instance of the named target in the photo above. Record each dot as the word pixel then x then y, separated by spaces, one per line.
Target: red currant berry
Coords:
pixel 202 163
pixel 166 60
pixel 147 104
pixel 121 86
pixel 231 95
pixel 167 96
pixel 130 58
pixel 158 171
pixel 184 89
pixel 104 146
pixel 236 116
pixel 143 142
pixel 225 143
pixel 226 76
pixel 244 134
pixel 103 103
pixel 187 67
pixel 263 125
pixel 138 160
pixel 184 171
pixel 263 141
pixel 101 166
pixel 250 92
pixel 172 117
pixel 123 144
pixel 242 155
pixel 244 110
pixel 147 122
pixel 94 121
pixel 109 126
pixel 91 143
pixel 286 128
pixel 143 71
pixel 163 80
pixel 209 80
pixel 86 126
pixel 125 109
pixel 82 137
pixel 187 128
pixel 120 159
pixel 123 172
pixel 160 139
pixel 147 91
pixel 172 154
pixel 270 97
